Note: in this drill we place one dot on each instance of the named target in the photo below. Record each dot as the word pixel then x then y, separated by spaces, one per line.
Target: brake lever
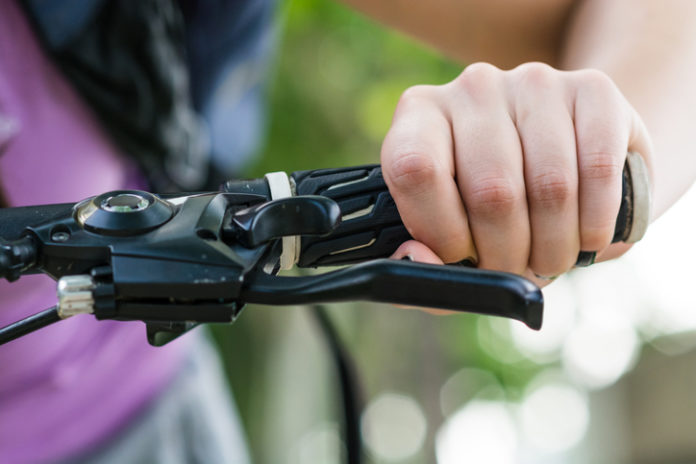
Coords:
pixel 406 283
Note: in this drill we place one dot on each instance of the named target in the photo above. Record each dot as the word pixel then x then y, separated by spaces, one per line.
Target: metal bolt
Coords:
pixel 60 236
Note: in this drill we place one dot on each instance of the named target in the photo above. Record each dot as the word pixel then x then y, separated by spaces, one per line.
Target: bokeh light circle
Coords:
pixel 480 432
pixel 393 427
pixel 554 416
pixel 599 351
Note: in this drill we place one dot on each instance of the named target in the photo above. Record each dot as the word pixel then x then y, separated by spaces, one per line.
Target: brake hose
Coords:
pixel 349 385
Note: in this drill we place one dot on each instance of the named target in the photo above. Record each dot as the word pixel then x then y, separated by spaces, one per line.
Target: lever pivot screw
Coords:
pixel 60 236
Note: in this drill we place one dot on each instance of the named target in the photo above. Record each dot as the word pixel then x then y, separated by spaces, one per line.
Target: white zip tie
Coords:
pixel 279 185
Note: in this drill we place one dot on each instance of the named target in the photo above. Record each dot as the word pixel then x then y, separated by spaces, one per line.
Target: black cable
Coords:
pixel 29 324
pixel 348 383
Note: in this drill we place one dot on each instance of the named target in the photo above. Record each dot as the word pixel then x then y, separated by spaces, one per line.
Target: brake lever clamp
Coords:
pixel 170 261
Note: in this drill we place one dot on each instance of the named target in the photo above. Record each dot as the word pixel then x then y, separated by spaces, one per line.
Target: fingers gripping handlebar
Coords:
pixel 177 260
pixel 372 227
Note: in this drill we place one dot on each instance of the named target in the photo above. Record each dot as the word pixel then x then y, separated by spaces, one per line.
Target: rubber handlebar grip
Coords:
pixel 371 227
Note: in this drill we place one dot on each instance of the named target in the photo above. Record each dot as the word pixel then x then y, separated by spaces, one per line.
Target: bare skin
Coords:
pixel 503 32
pixel 521 167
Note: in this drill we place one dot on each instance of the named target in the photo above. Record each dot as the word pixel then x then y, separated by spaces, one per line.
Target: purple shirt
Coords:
pixel 66 388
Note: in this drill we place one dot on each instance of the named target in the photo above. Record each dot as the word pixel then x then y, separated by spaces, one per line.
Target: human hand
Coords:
pixel 517 169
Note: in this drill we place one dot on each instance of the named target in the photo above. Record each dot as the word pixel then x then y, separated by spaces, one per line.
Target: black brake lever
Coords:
pixel 406 283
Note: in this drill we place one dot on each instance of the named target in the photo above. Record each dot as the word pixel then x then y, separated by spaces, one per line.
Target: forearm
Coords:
pixel 649 49
pixel 502 32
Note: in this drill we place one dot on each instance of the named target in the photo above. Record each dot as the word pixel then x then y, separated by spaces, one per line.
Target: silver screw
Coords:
pixel 60 236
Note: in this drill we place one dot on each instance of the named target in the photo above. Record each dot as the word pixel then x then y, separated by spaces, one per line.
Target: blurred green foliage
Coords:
pixel 336 83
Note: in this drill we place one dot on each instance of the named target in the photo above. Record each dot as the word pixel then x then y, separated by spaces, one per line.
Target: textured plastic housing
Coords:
pixel 371 226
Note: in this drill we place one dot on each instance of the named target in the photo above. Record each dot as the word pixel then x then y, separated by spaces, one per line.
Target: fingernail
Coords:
pixel 586 258
pixel 467 262
pixel 547 278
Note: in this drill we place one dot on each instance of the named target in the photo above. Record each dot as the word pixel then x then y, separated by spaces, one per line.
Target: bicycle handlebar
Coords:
pixel 177 260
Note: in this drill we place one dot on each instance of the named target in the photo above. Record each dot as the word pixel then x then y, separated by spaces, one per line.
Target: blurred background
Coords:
pixel 609 379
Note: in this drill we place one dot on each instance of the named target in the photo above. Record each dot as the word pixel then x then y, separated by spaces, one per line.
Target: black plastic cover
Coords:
pixel 371 226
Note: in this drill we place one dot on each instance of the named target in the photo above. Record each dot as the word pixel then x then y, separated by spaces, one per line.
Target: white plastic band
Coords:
pixel 279 185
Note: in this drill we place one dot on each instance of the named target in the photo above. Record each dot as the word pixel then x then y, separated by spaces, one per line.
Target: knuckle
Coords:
pixel 479 70
pixel 600 166
pixel 414 95
pixel 478 79
pixel 551 189
pixel 597 81
pixel 536 75
pixel 595 77
pixel 411 170
pixel 493 196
